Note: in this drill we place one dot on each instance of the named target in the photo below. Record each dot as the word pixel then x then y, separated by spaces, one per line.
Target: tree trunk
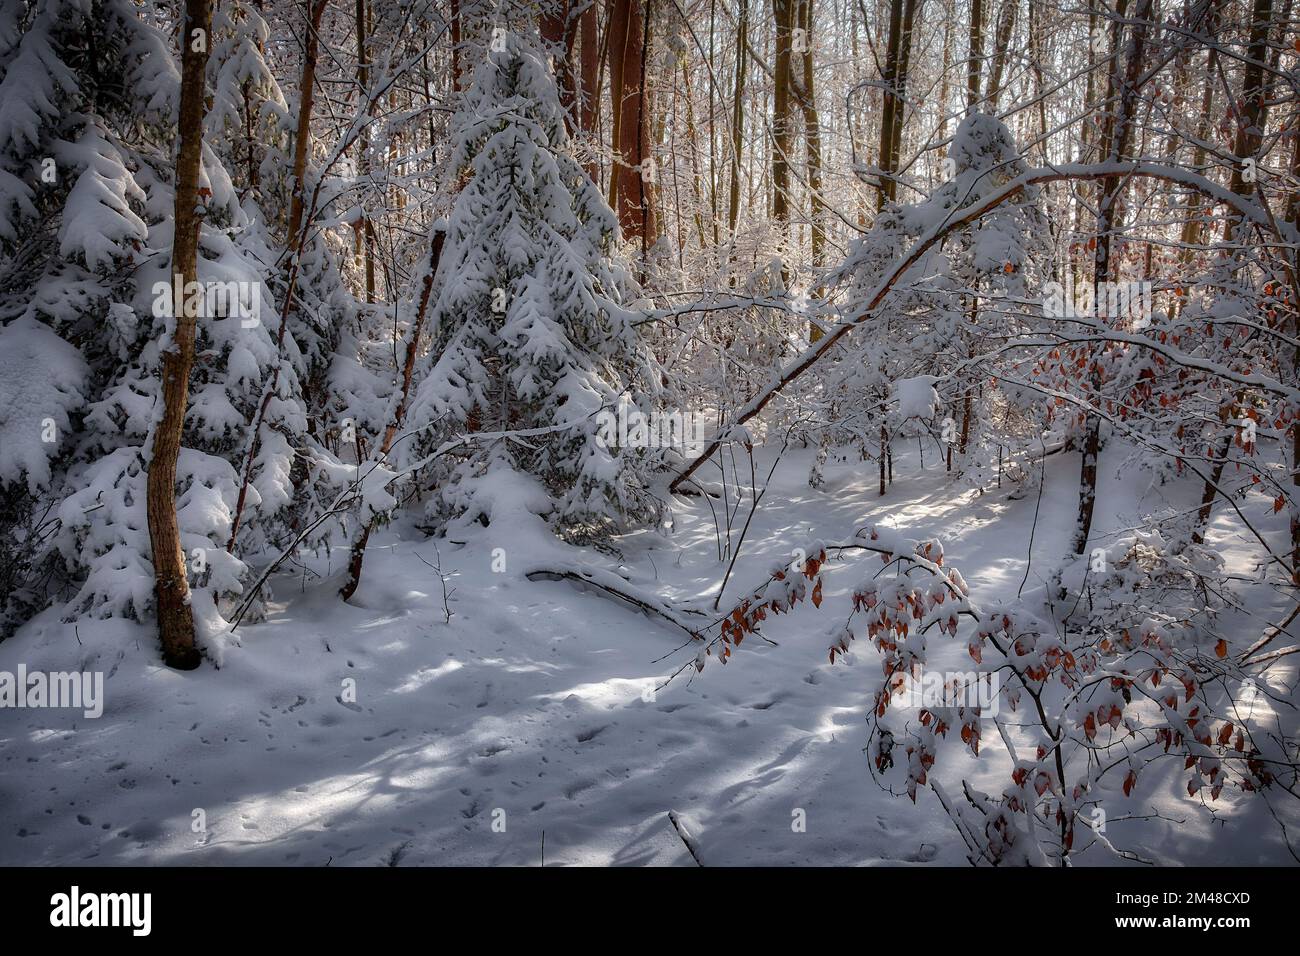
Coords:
pixel 738 118
pixel 889 106
pixel 884 443
pixel 974 55
pixel 455 46
pixel 1122 86
pixel 1293 217
pixel 1001 39
pixel 357 554
pixel 1192 232
pixel 589 110
pixel 366 233
pixel 782 125
pixel 900 86
pixel 1246 145
pixel 295 239
pixel 302 137
pixel 813 146
pixel 631 185
pixel 175 616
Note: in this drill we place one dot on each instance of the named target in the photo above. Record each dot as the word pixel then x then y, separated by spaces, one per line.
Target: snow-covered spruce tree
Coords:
pixel 529 333
pixel 87 167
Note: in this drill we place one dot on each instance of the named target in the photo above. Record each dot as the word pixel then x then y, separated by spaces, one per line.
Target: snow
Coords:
pixel 539 699
pixel 42 378
pixel 917 397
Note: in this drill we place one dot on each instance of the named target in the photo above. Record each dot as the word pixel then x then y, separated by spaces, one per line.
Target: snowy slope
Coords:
pixel 532 701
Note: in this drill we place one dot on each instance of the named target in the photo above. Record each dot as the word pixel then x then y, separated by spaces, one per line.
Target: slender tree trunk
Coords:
pixel 589 111
pixel 889 105
pixel 738 118
pixel 1034 29
pixel 1001 39
pixel 295 238
pixel 302 136
pixel 366 234
pixel 455 46
pixel 1293 217
pixel 1245 146
pixel 782 124
pixel 616 24
pixel 946 62
pixel 357 554
pixel 1122 90
pixel 900 84
pixel 175 616
pixel 884 445
pixel 817 210
pixel 697 178
pixel 974 55
pixel 1193 227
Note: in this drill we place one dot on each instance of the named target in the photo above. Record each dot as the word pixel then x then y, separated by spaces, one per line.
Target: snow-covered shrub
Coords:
pixel 964 296
pixel 1083 709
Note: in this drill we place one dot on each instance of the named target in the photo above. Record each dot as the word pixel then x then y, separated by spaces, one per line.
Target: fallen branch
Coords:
pixel 609 584
pixel 686 838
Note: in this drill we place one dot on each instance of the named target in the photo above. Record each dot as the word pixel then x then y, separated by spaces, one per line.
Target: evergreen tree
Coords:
pixel 530 333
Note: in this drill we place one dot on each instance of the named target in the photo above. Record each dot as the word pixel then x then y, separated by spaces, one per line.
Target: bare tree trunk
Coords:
pixel 975 55
pixel 302 137
pixel 782 125
pixel 898 54
pixel 1293 217
pixel 813 147
pixel 1122 86
pixel 631 188
pixel 1034 29
pixel 295 238
pixel 738 117
pixel 1006 23
pixel 589 110
pixel 900 85
pixel 1245 146
pixel 942 132
pixel 357 554
pixel 455 46
pixel 889 106
pixel 884 446
pixel 617 13
pixel 366 233
pixel 175 616
pixel 1193 231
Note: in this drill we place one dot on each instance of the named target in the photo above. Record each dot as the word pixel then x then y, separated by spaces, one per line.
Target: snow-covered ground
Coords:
pixel 524 728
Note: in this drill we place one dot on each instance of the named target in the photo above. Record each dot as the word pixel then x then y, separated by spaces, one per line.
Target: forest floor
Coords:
pixel 522 729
